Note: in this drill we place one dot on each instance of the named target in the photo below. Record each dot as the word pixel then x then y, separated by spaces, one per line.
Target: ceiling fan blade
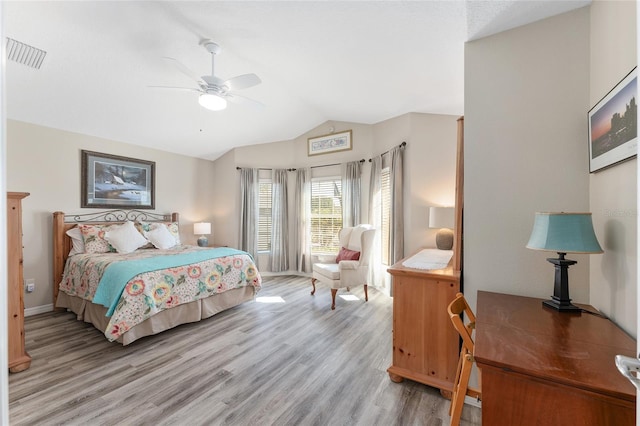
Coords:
pixel 191 89
pixel 242 82
pixel 242 100
pixel 186 71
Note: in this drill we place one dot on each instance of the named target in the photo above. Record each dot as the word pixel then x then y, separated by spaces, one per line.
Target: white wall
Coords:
pixel 46 163
pixel 613 191
pixel 526 99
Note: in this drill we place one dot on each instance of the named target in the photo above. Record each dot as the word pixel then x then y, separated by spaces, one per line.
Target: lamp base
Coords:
pixel 561 306
pixel 560 300
pixel 444 239
pixel 203 241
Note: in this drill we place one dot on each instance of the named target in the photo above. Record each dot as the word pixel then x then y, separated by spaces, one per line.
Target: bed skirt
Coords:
pixel 164 320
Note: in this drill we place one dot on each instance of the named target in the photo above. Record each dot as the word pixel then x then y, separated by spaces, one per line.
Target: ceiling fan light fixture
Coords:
pixel 212 102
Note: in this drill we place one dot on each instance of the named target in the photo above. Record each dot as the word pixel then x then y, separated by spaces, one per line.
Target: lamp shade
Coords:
pixel 441 217
pixel 202 228
pixel 564 233
pixel 212 102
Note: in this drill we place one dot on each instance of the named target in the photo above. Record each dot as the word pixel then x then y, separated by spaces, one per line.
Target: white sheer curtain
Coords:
pixel 396 217
pixel 376 269
pixel 249 211
pixel 303 223
pixel 279 255
pixel 351 172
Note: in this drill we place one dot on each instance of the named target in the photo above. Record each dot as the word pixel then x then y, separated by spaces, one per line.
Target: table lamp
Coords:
pixel 202 229
pixel 563 233
pixel 442 218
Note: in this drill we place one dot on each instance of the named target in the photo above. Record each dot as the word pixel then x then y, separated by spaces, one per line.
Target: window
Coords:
pixel 264 215
pixel 385 200
pixel 326 215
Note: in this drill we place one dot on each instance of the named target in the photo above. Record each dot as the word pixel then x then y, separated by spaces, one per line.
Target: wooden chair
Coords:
pixel 461 384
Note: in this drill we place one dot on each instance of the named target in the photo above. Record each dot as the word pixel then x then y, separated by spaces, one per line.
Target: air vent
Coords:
pixel 24 54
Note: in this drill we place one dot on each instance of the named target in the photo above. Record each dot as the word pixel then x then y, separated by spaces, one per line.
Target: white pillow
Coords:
pixel 125 238
pixel 161 237
pixel 77 243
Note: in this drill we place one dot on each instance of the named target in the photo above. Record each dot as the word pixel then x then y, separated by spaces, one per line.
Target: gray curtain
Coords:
pixel 249 211
pixel 396 231
pixel 351 193
pixel 376 268
pixel 279 255
pixel 303 224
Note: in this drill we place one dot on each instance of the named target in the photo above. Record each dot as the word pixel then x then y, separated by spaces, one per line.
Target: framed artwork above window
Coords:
pixel 329 143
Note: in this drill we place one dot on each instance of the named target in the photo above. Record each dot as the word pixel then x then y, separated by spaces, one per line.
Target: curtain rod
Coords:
pixel 312 167
pixel 386 152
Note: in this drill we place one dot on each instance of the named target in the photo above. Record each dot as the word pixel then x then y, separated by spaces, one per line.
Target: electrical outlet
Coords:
pixel 30 285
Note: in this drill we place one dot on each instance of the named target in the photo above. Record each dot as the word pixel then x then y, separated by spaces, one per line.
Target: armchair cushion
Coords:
pixel 346 254
pixel 328 270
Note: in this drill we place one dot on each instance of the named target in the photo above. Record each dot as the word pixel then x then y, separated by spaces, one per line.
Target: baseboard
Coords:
pixel 38 310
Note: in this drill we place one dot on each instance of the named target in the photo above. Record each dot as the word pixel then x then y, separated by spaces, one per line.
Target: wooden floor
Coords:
pixel 291 363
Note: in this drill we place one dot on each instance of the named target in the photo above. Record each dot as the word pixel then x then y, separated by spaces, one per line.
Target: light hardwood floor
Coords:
pixel 292 363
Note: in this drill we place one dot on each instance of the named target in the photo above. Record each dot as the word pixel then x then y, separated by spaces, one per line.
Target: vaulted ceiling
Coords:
pixel 356 61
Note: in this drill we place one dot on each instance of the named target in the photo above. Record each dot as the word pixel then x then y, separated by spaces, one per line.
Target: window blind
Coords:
pixel 326 215
pixel 385 231
pixel 264 215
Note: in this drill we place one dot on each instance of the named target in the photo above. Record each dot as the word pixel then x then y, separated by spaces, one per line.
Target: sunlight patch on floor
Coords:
pixel 349 297
pixel 270 299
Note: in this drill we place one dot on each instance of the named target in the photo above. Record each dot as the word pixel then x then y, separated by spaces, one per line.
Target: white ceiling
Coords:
pixel 357 61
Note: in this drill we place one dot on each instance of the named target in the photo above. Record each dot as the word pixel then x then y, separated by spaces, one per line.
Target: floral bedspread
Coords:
pixel 152 292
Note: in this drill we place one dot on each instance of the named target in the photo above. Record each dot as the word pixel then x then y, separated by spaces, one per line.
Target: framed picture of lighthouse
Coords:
pixel 613 132
pixel 112 181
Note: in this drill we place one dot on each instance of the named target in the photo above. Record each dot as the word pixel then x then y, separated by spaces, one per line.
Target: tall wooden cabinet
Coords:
pixel 19 359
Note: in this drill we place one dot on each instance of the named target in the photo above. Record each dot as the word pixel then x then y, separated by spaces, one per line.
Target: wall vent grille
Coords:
pixel 24 54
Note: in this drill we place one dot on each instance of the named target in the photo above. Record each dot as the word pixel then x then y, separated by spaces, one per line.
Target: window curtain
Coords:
pixel 279 255
pixel 396 218
pixel 351 193
pixel 303 223
pixel 376 268
pixel 249 211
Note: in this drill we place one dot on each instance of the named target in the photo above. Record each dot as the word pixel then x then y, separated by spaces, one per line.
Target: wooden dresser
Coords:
pixel 542 367
pixel 425 344
pixel 19 359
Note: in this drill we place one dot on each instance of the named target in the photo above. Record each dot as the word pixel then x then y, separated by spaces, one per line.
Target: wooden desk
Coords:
pixel 542 367
pixel 425 344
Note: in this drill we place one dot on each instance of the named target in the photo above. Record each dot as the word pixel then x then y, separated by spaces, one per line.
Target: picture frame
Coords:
pixel 112 181
pixel 613 132
pixel 326 144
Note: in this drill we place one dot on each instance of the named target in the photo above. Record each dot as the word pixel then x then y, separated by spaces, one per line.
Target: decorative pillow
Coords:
pixel 160 237
pixel 171 226
pixel 346 254
pixel 125 238
pixel 77 243
pixel 93 237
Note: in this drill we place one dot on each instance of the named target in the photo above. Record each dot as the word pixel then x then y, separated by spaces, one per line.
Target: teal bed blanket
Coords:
pixel 118 274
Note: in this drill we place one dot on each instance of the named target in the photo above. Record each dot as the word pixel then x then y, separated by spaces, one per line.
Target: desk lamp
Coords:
pixel 563 233
pixel 442 218
pixel 202 229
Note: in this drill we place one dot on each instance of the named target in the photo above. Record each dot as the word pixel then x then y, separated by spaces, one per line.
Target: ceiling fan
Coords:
pixel 214 91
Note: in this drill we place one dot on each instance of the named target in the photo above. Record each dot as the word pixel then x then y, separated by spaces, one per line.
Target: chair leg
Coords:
pixel 366 294
pixel 460 389
pixel 333 298
pixel 313 283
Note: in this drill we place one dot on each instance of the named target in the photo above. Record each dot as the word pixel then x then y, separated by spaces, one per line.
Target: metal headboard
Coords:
pixel 116 216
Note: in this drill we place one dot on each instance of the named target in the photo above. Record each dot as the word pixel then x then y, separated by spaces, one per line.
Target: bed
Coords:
pixel 128 294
